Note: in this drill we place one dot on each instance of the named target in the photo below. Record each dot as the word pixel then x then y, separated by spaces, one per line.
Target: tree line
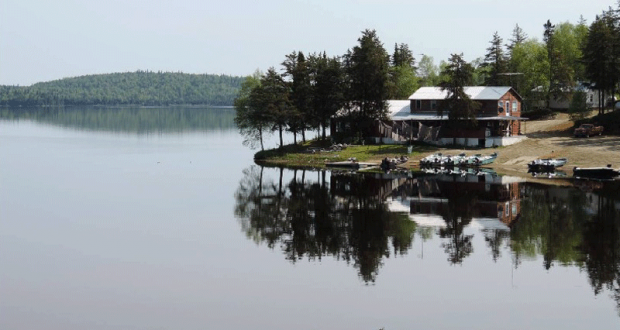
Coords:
pixel 312 88
pixel 128 88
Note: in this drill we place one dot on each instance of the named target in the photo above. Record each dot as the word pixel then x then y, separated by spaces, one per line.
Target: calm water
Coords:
pixel 158 219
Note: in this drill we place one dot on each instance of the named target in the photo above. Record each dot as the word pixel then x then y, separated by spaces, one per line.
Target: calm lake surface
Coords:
pixel 150 218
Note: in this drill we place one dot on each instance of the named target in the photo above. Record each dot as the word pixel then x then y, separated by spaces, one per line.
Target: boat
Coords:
pixel 546 164
pixel 596 173
pixel 392 163
pixel 550 173
pixel 478 159
pixel 431 160
pixel 351 163
pixel 459 159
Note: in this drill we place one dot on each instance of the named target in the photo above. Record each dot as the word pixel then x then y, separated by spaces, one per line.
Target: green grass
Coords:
pixel 298 155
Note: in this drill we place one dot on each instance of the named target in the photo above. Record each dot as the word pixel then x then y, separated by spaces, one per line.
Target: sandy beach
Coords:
pixel 549 138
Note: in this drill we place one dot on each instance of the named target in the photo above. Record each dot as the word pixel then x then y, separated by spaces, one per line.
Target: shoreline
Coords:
pixel 551 138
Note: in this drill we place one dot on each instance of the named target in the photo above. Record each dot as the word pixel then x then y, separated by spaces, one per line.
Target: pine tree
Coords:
pixel 459 106
pixel 296 67
pixel 327 91
pixel 601 54
pixel 367 69
pixel 496 62
pixel 518 37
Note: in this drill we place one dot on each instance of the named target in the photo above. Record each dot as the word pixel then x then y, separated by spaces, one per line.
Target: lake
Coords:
pixel 157 218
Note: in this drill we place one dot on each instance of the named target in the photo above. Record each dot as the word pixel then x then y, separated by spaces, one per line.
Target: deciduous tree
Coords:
pixel 271 99
pixel 251 121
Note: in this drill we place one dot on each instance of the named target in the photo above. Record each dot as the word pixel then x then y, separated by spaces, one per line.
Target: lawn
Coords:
pixel 301 154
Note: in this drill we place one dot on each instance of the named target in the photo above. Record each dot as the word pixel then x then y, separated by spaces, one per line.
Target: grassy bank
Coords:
pixel 300 155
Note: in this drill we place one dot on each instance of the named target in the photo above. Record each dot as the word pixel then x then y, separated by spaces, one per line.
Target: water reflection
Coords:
pixel 364 218
pixel 309 216
pixel 140 120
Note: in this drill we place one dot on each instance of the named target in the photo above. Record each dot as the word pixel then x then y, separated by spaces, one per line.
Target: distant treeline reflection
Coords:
pixel 362 219
pixel 129 119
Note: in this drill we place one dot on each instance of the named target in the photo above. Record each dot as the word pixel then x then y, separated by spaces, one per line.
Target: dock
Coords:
pixel 350 164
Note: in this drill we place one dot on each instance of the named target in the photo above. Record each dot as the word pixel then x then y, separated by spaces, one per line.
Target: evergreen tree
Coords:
pixel 367 69
pixel 601 54
pixel 459 106
pixel 403 81
pixel 518 37
pixel 296 67
pixel 328 91
pixel 403 56
pixel 496 62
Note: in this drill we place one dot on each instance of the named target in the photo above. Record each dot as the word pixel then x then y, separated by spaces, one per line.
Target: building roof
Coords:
pixel 474 93
pixel 401 110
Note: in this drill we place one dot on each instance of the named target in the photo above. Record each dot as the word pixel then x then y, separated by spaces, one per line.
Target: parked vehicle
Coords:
pixel 587 130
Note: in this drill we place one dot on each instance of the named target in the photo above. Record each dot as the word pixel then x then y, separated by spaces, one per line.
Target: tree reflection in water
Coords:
pixel 312 218
pixel 312 214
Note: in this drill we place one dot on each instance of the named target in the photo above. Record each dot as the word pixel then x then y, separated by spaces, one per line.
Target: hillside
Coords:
pixel 135 88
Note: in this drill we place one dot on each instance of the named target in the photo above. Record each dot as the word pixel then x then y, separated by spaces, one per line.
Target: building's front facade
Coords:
pixel 498 119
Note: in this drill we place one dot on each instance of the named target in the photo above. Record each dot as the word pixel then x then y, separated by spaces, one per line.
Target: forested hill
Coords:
pixel 135 88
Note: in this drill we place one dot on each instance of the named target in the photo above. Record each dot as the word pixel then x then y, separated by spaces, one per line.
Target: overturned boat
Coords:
pixel 596 173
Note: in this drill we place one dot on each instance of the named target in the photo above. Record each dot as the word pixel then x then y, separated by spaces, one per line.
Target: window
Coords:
pixel 433 104
pixel 507 107
pixel 514 106
pixel 418 104
pixel 500 106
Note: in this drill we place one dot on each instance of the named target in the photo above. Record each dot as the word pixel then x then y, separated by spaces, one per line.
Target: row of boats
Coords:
pixel 549 165
pixel 448 164
pixel 460 160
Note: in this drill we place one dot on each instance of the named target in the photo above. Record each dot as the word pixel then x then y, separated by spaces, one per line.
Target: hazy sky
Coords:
pixel 42 40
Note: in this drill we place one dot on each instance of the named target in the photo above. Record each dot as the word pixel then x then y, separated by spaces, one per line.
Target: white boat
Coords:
pixel 477 160
pixel 547 163
pixel 460 159
pixel 431 160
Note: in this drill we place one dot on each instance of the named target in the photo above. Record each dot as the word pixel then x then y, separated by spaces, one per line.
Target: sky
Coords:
pixel 43 40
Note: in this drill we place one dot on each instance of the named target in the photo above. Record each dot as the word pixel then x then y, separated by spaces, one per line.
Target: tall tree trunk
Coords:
pixel 324 136
pixel 260 136
pixel 303 132
pixel 280 132
pixel 295 137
